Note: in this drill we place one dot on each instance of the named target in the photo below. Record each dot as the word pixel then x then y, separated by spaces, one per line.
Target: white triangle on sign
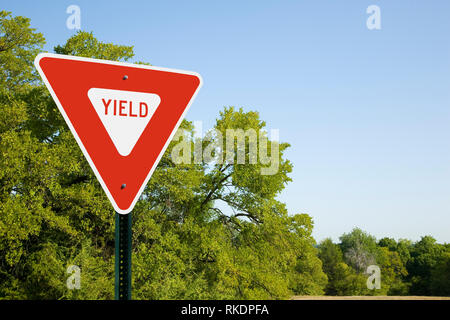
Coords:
pixel 124 114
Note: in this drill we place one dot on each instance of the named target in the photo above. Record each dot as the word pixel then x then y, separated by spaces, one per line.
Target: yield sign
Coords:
pixel 122 116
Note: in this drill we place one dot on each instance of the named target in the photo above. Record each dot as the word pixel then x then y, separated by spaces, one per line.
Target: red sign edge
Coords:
pixel 77 138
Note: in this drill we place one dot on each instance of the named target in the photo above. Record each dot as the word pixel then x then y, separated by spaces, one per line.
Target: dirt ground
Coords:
pixel 367 298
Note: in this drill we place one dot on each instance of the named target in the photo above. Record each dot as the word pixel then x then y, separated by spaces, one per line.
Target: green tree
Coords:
pixel 255 250
pixel 331 256
pixel 389 243
pixel 440 276
pixel 404 250
pixel 393 272
pixel 425 254
pixel 346 268
pixel 343 280
pixel 359 248
pixel 200 230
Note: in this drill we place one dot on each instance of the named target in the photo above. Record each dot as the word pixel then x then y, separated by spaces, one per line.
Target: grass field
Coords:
pixel 368 298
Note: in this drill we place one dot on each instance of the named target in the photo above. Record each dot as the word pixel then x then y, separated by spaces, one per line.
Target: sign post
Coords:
pixel 123 257
pixel 123 117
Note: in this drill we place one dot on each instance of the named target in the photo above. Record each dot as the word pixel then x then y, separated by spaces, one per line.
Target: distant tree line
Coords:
pixel 420 269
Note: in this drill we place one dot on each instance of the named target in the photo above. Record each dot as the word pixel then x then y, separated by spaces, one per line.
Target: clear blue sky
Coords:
pixel 367 112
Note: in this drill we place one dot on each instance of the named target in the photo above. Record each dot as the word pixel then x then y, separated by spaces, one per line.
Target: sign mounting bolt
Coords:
pixel 125 77
pixel 123 186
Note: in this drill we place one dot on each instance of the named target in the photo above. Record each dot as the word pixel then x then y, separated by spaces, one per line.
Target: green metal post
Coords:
pixel 123 257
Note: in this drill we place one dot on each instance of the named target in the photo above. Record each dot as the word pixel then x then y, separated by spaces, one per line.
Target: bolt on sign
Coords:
pixel 122 116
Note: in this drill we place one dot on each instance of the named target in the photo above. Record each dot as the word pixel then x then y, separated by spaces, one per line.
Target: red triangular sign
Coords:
pixel 122 115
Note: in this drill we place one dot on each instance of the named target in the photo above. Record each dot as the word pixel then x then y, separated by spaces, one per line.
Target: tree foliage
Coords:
pixel 200 230
pixel 406 268
pixel 203 229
